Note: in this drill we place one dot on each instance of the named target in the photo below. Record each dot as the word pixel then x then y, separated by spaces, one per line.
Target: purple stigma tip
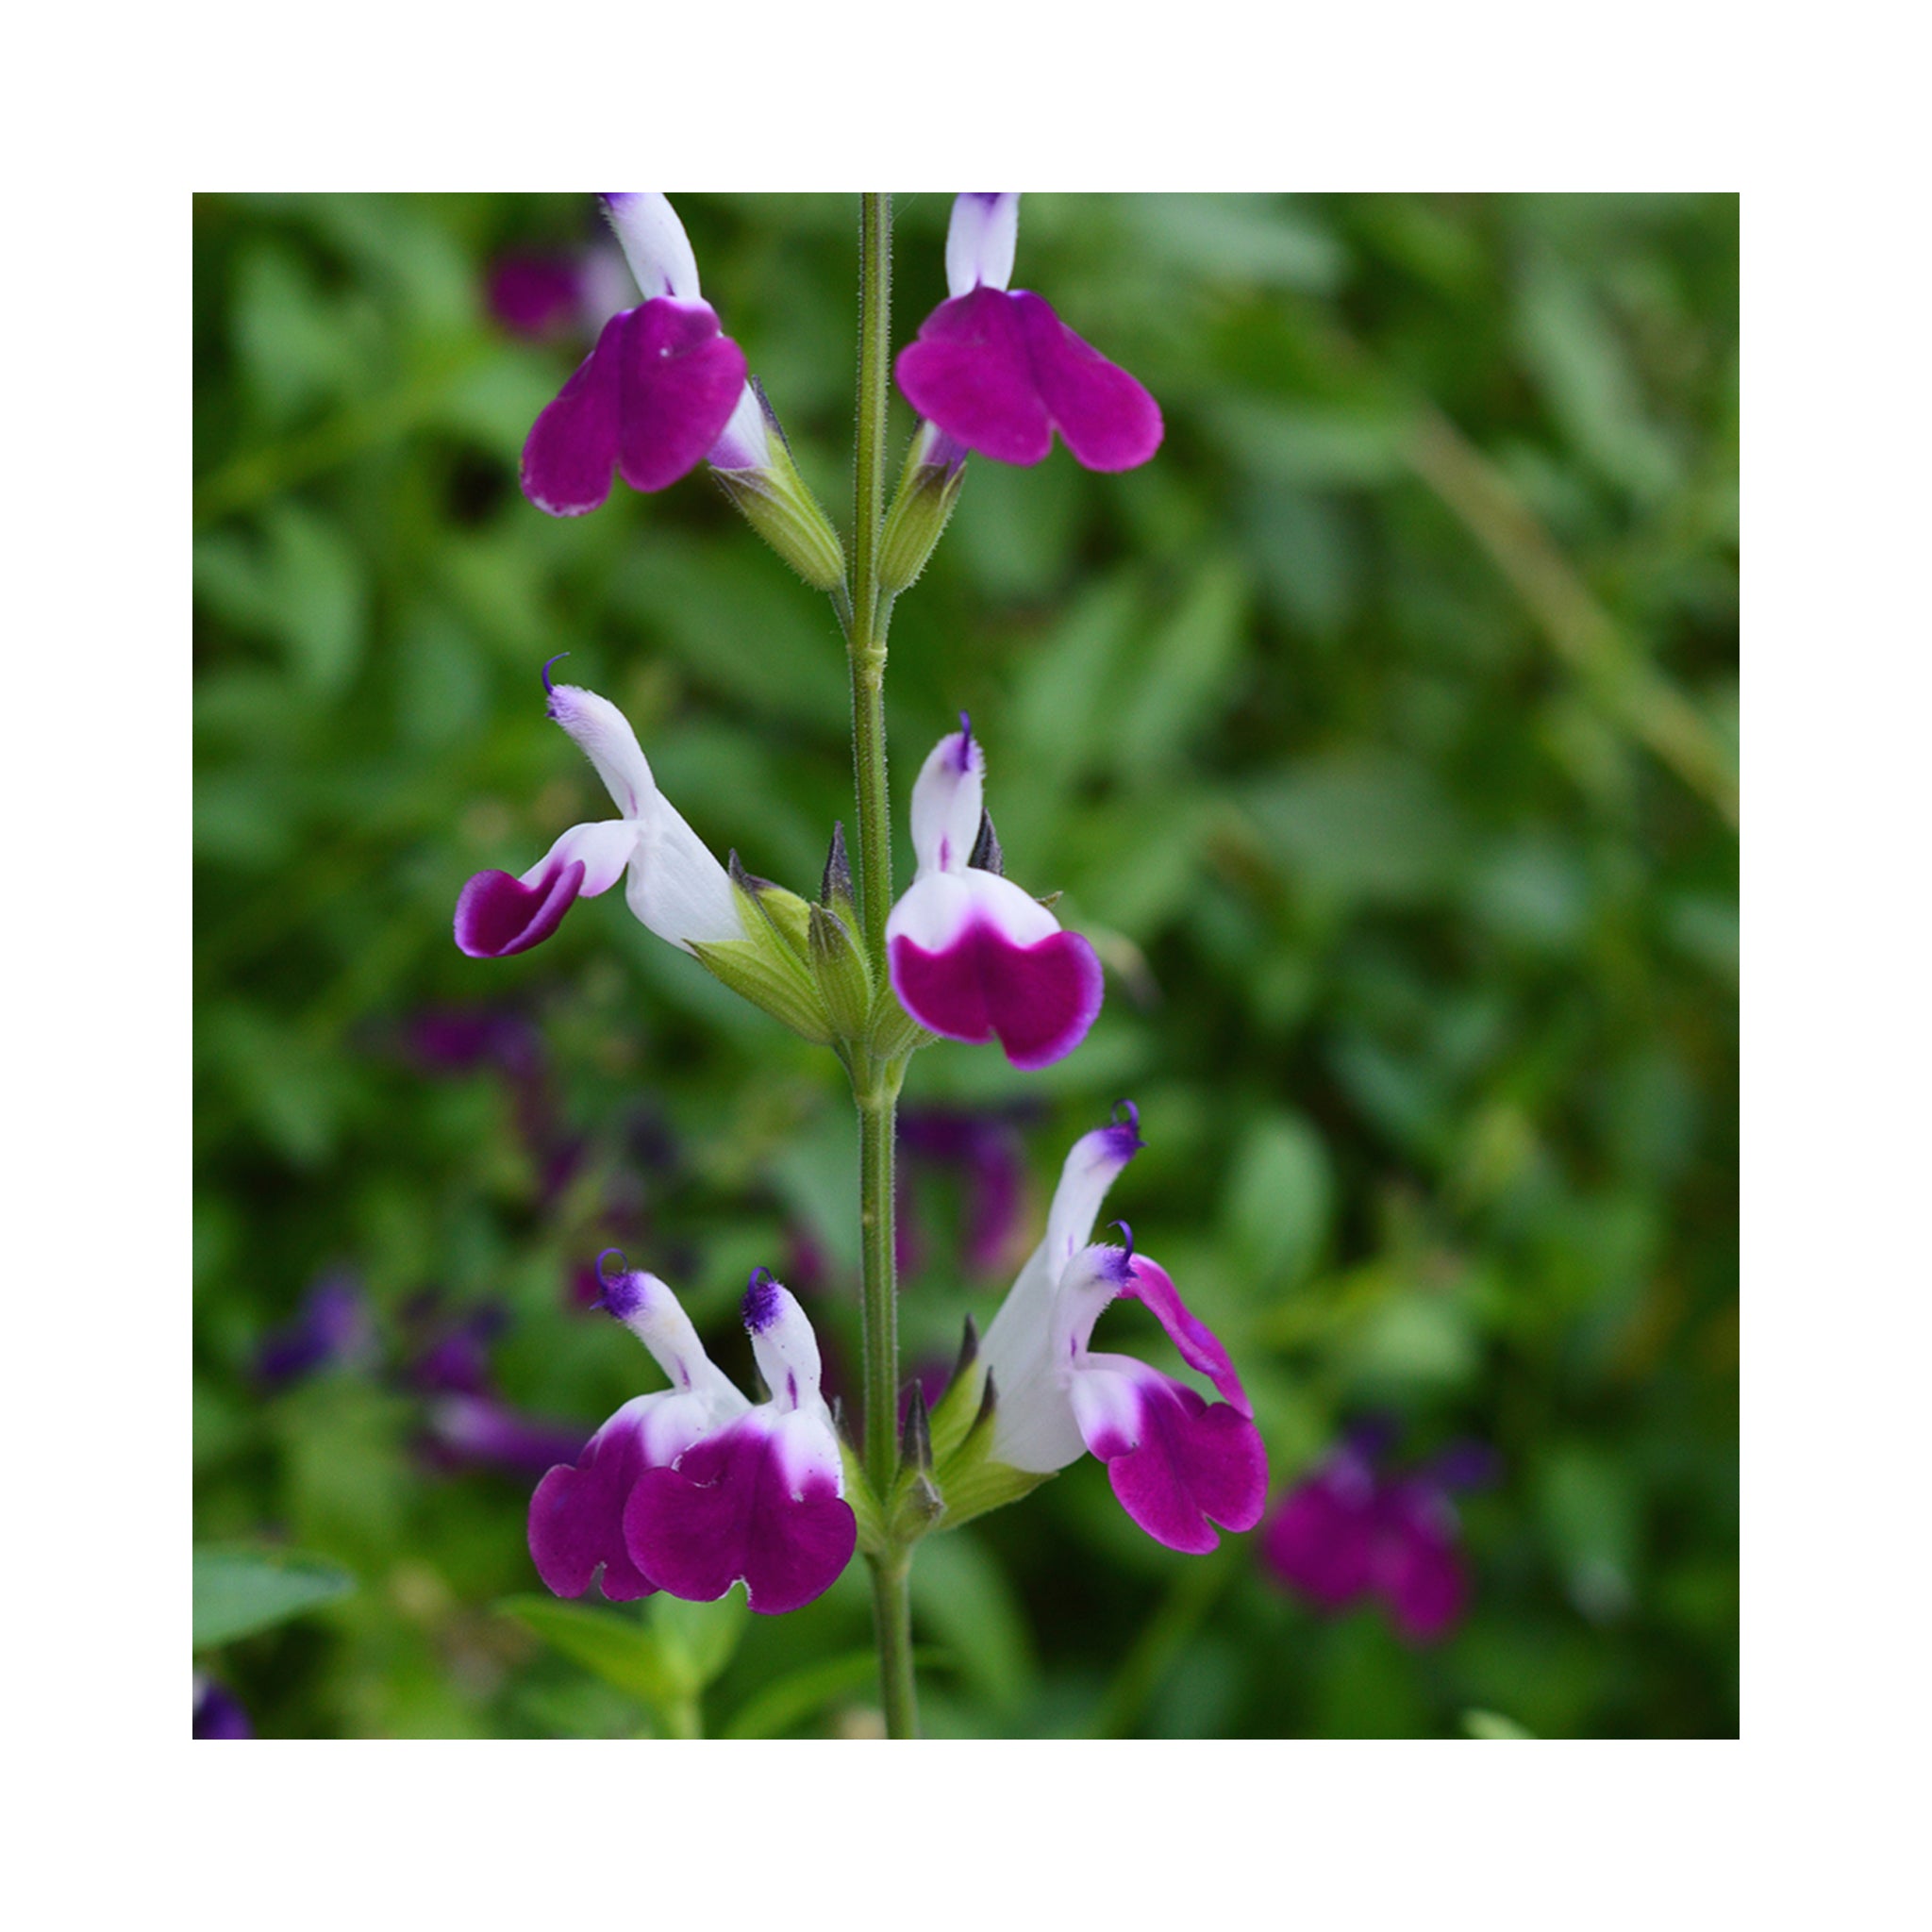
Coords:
pixel 1126 1237
pixel 549 689
pixel 1131 1112
pixel 760 1300
pixel 622 1297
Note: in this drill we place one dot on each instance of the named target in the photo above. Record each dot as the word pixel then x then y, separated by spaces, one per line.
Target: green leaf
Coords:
pixel 960 1592
pixel 1279 1199
pixel 238 1590
pixel 778 1707
pixel 697 1641
pixel 1187 670
pixel 1492 1723
pixel 607 1643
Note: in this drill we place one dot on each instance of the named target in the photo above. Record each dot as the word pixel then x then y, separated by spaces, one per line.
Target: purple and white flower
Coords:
pixel 971 955
pixel 675 886
pixel 655 394
pixel 692 1489
pixel 761 1500
pixel 998 371
pixel 1179 1463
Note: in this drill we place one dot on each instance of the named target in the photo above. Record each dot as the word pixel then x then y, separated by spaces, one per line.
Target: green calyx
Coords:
pixel 771 965
pixel 841 973
pixel 774 501
pixel 921 506
pixel 946 1475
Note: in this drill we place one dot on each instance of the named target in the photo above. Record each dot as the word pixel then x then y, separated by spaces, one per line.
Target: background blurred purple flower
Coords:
pixel 448 1353
pixel 983 1147
pixel 216 1712
pixel 332 1328
pixel 465 1430
pixel 558 296
pixel 1354 1528
pixel 467 1039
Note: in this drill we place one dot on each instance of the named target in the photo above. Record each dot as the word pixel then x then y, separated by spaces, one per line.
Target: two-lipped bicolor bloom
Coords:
pixel 1179 1463
pixel 694 1488
pixel 674 885
pixel 652 397
pixel 999 372
pixel 971 955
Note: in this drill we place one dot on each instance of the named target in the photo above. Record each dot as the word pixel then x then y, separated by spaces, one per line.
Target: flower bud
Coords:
pixel 928 488
pixel 844 979
pixel 753 461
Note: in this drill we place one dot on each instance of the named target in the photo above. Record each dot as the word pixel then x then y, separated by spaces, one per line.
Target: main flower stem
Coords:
pixel 875 1084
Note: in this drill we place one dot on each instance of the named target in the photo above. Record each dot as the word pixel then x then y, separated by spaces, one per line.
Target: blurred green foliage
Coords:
pixel 1382 734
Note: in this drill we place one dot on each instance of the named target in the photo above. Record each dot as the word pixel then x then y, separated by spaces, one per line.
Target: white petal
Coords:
pixel 1019 917
pixel 1106 1399
pixel 654 244
pixel 604 735
pixel 1091 1280
pixel 1090 1171
pixel 932 911
pixel 744 443
pixel 1033 1426
pixel 980 241
pixel 946 799
pixel 605 847
pixel 782 1344
pixel 807 1446
pixel 1038 1338
pixel 649 1310
pixel 676 887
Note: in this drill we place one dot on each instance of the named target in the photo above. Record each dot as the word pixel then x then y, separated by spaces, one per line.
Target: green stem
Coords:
pixel 866 634
pixel 878 1273
pixel 891 1605
pixel 875 1085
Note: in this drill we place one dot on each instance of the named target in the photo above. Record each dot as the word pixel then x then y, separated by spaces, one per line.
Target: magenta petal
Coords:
pixel 572 446
pixel 1199 1346
pixel 1108 419
pixel 970 373
pixel 650 399
pixel 1196 1465
pixel 497 914
pixel 576 1518
pixel 678 381
pixel 1037 1000
pixel 1322 1541
pixel 726 1512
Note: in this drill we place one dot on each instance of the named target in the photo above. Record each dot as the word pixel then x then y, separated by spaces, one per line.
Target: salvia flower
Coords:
pixel 1354 1529
pixel 998 371
pixel 655 394
pixel 694 1488
pixel 675 886
pixel 972 957
pixel 1179 1463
